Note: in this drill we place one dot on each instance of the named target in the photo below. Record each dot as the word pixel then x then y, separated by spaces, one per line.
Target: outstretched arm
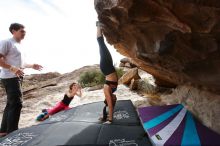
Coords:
pixel 107 93
pixel 34 66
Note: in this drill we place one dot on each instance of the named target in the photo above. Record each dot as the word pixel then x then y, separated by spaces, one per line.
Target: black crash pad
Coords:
pixel 80 126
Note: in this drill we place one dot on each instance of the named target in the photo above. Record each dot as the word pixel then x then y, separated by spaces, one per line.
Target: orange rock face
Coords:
pixel 178 42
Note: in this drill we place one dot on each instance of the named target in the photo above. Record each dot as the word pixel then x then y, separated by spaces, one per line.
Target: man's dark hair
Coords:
pixel 15 26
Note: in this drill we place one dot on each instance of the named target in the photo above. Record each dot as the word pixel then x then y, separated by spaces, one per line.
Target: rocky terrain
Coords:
pixel 178 42
pixel 45 90
pixel 42 91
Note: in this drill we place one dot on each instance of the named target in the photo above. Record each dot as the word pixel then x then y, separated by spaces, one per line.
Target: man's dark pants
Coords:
pixel 13 107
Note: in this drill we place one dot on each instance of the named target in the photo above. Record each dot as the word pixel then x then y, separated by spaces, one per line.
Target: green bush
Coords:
pixel 91 78
pixel 95 77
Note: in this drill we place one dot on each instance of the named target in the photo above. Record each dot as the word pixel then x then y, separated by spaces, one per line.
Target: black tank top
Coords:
pixel 66 100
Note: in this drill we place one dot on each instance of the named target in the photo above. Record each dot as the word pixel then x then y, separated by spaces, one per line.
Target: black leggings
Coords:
pixel 106 63
pixel 13 107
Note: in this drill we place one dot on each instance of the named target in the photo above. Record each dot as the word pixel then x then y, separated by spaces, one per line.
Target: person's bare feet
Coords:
pixel 99 28
pixel 99 32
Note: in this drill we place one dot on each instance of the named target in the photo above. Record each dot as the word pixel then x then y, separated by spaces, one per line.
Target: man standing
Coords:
pixel 11 76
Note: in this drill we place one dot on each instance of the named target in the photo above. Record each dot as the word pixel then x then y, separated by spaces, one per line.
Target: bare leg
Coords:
pixel 108 98
pixel 99 31
pixel 114 99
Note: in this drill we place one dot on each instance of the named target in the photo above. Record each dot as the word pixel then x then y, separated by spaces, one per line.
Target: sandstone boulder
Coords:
pixel 121 64
pixel 128 76
pixel 134 84
pixel 176 41
pixel 126 62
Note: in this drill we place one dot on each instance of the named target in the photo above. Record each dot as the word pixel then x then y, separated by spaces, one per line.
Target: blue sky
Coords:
pixel 61 34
